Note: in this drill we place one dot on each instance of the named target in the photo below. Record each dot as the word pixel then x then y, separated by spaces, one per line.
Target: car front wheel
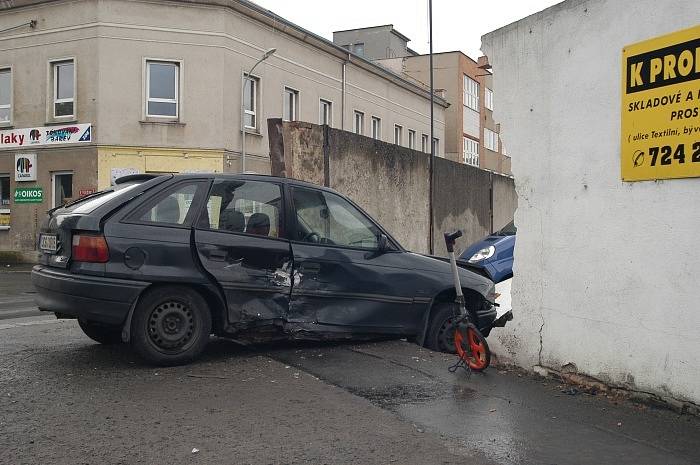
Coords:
pixel 170 326
pixel 441 330
pixel 100 333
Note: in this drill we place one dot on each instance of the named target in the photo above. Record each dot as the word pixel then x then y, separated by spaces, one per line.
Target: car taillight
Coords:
pixel 90 249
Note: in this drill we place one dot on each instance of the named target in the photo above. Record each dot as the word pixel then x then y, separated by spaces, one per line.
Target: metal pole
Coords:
pixel 265 56
pixel 432 137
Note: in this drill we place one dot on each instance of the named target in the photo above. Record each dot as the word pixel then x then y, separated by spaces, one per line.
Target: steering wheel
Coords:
pixel 312 237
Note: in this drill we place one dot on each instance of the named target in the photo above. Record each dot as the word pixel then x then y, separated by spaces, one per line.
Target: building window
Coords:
pixel 490 140
pixel 359 48
pixel 470 96
pixel 325 112
pixel 471 152
pixel 5 96
pixel 424 143
pixel 163 85
pixel 359 125
pixel 291 103
pixel 4 190
pixel 376 128
pixel 488 98
pixel 398 134
pixel 63 88
pixel 62 188
pixel 250 101
pixel 436 146
pixel 411 139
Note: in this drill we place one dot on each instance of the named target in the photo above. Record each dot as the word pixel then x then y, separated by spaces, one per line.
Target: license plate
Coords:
pixel 48 243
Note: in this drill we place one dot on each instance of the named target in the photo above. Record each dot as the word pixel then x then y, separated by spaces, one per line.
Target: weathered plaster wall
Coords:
pixel 605 271
pixel 392 183
pixel 506 200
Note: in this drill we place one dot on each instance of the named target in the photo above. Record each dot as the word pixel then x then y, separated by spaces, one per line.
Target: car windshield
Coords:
pixel 507 230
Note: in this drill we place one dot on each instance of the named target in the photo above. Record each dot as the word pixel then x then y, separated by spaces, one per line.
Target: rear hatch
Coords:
pixel 85 216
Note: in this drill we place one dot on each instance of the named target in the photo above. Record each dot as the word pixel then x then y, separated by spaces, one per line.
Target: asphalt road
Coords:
pixel 67 400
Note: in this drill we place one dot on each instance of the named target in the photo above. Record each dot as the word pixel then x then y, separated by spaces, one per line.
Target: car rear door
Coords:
pixel 340 277
pixel 240 241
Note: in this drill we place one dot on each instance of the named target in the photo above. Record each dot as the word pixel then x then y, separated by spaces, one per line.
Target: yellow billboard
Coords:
pixel 661 107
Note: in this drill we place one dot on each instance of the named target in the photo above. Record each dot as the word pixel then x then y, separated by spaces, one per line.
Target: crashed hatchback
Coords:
pixel 162 262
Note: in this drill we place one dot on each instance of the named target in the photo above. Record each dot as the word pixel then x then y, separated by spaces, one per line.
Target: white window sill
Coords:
pixel 59 121
pixel 253 132
pixel 165 121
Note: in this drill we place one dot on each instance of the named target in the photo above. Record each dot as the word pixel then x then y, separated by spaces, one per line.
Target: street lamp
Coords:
pixel 265 56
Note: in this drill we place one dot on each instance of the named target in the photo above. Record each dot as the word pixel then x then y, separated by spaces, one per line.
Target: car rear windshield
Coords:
pixel 91 203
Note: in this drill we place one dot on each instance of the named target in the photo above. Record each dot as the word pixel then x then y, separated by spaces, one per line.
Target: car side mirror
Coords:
pixel 382 243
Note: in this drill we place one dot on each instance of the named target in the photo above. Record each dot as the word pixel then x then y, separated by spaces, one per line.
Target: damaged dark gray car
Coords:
pixel 163 262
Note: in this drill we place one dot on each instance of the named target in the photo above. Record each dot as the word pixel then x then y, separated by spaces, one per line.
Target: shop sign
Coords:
pixel 85 192
pixel 4 218
pixel 29 195
pixel 25 167
pixel 661 107
pixel 48 135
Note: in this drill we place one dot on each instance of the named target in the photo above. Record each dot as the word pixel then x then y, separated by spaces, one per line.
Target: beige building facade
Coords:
pixel 113 87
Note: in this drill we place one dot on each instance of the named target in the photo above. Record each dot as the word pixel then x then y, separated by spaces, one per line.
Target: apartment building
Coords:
pixel 96 89
pixel 471 134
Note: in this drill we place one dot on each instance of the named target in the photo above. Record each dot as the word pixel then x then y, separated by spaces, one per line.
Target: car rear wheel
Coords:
pixel 441 330
pixel 100 333
pixel 170 326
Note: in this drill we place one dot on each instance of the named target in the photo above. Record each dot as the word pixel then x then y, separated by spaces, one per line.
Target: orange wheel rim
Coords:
pixel 470 348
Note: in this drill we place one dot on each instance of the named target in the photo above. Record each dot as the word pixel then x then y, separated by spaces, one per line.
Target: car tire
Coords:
pixel 440 336
pixel 170 326
pixel 100 333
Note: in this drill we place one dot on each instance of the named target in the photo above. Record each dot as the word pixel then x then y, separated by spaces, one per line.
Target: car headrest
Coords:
pixel 168 211
pixel 258 223
pixel 232 220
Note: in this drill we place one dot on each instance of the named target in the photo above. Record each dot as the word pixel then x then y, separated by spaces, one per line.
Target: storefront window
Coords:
pixel 62 188
pixel 4 190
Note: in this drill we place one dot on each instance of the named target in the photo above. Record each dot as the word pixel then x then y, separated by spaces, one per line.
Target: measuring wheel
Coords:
pixel 472 347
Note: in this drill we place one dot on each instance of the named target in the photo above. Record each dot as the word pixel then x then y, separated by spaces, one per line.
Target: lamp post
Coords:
pixel 431 221
pixel 245 76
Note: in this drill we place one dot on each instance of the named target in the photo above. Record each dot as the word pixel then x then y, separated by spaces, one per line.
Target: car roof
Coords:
pixel 251 177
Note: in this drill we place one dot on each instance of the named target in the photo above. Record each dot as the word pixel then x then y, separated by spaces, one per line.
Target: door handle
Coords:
pixel 218 255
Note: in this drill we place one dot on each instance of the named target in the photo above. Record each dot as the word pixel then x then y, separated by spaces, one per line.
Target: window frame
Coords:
pixel 470 98
pixel 361 114
pixel 329 103
pixel 488 98
pixel 378 120
pixel 53 65
pixel 255 80
pixel 424 143
pixel 134 214
pixel 295 109
pixel 54 174
pixel 490 140
pixel 178 89
pixel 9 191
pixel 393 246
pixel 436 143
pixel 412 139
pixel 398 134
pixel 474 156
pixel 11 105
pixel 283 226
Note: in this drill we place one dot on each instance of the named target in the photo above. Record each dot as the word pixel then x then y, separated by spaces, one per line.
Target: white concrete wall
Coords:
pixel 606 272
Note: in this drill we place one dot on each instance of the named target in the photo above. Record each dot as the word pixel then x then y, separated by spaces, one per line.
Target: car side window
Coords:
pixel 251 207
pixel 325 218
pixel 171 208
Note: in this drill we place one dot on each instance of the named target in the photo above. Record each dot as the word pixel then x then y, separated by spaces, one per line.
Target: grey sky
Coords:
pixel 457 24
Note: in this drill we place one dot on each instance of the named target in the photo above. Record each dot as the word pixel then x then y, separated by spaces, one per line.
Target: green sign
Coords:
pixel 29 195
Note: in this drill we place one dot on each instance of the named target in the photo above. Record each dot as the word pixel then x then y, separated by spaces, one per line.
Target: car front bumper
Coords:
pixel 92 298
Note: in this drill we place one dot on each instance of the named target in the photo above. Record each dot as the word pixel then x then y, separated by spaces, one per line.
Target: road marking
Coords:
pixel 30 323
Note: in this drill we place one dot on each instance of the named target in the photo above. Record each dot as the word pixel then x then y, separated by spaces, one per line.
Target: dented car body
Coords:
pixel 164 261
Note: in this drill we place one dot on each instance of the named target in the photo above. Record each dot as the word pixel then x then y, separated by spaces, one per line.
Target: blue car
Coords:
pixel 494 254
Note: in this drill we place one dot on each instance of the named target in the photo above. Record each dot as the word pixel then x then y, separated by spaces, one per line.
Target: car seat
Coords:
pixel 258 223
pixel 168 211
pixel 232 220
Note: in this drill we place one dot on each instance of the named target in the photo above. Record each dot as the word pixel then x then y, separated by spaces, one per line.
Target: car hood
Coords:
pixel 468 278
pixel 499 242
